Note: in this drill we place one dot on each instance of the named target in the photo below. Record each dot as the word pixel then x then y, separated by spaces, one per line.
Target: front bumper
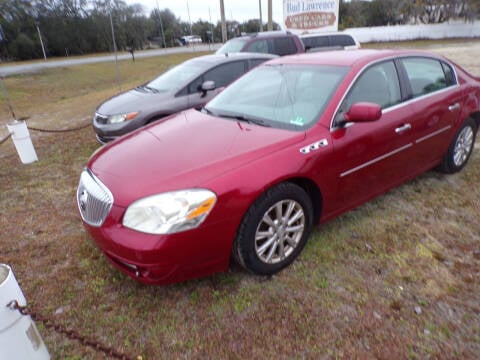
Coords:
pixel 108 132
pixel 164 259
pixel 105 139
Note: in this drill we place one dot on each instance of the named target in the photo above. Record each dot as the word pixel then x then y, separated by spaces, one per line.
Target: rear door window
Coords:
pixel 427 75
pixel 317 41
pixel 256 62
pixel 284 46
pixel 258 46
pixel 341 40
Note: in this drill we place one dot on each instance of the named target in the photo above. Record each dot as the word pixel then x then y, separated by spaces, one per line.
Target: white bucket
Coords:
pixel 23 142
pixel 19 337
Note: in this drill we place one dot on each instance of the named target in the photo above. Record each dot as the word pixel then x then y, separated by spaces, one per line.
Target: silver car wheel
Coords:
pixel 463 146
pixel 280 231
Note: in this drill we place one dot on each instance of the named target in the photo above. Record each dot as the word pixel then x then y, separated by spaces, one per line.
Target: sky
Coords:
pixel 239 10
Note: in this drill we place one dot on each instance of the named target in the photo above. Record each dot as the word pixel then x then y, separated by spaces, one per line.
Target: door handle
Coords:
pixel 403 128
pixel 454 107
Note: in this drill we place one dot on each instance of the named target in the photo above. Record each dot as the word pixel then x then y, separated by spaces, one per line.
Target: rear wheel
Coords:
pixel 460 149
pixel 274 230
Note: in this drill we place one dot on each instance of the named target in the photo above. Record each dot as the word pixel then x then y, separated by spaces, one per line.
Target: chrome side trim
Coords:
pixel 348 172
pixel 435 133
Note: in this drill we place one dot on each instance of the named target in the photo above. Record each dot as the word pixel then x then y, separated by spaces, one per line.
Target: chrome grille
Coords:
pixel 94 200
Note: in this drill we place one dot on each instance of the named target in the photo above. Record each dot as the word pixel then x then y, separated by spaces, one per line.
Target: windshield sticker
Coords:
pixel 298 121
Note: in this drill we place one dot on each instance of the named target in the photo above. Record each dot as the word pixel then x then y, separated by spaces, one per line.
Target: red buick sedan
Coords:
pixel 295 142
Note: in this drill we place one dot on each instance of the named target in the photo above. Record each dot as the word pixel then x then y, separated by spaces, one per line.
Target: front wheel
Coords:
pixel 274 230
pixel 460 149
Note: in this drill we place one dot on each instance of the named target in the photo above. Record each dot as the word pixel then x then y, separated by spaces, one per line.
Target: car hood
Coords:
pixel 184 151
pixel 134 100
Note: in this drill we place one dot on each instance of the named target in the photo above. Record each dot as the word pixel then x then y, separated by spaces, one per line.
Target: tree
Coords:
pixel 382 12
pixel 23 47
pixel 202 28
pixel 171 27
pixel 353 14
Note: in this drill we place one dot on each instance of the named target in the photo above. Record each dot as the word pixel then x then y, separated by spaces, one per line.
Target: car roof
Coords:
pixel 214 59
pixel 324 34
pixel 263 34
pixel 348 58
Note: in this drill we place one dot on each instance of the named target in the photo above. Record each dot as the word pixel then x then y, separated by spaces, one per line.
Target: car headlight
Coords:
pixel 118 118
pixel 170 212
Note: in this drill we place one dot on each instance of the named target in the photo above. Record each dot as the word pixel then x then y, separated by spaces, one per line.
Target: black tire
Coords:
pixel 266 244
pixel 460 148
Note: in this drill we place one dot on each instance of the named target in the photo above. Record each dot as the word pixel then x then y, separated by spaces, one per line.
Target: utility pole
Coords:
pixel 260 9
pixel 116 53
pixel 41 41
pixel 189 19
pixel 211 26
pixel 161 27
pixel 224 25
pixel 270 22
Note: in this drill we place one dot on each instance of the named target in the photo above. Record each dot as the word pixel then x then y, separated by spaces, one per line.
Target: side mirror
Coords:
pixel 208 85
pixel 363 112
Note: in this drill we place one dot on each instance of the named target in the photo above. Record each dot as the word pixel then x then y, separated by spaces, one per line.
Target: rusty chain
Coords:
pixel 48 131
pixel 61 130
pixel 71 334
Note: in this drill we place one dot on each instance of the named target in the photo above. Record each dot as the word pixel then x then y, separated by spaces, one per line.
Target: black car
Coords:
pixel 190 84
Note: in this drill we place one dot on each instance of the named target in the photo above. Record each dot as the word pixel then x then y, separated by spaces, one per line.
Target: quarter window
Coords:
pixel 427 75
pixel 449 75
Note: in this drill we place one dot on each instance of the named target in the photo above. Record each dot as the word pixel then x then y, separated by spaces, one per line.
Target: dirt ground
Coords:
pixel 466 54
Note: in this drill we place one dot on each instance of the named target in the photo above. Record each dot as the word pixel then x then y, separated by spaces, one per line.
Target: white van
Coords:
pixel 329 41
pixel 191 39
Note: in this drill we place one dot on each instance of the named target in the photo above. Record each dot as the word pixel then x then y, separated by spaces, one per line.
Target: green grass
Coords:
pixel 351 294
pixel 63 94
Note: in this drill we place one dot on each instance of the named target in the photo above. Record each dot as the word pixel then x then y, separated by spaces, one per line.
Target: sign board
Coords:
pixel 310 16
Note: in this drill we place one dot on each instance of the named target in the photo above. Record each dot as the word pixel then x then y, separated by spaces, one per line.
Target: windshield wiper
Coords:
pixel 151 89
pixel 146 88
pixel 248 119
pixel 207 111
pixel 140 88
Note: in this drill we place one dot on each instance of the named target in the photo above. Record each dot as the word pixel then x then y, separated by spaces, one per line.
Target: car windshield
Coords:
pixel 282 96
pixel 232 46
pixel 177 77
